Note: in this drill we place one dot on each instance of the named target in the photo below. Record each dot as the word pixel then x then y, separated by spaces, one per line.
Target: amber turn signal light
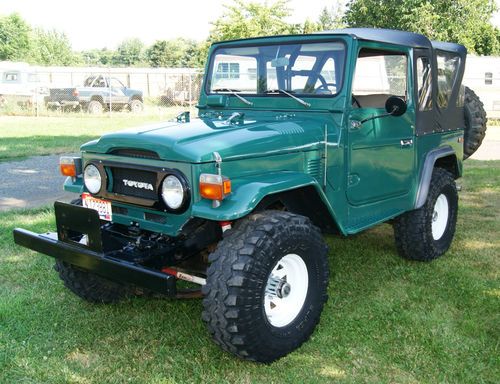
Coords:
pixel 214 187
pixel 70 166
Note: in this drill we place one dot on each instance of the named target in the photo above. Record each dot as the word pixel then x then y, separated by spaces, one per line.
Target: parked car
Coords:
pixel 339 131
pixel 97 94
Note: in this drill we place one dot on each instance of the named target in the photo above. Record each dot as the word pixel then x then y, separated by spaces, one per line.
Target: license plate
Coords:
pixel 102 207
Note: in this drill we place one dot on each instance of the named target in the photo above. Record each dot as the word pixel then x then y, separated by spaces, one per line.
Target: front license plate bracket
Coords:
pixel 74 221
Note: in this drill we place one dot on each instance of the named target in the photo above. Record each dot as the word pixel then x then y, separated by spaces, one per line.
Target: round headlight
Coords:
pixel 172 192
pixel 92 178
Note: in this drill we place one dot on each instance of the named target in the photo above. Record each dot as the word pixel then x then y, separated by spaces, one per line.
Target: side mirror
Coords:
pixel 395 106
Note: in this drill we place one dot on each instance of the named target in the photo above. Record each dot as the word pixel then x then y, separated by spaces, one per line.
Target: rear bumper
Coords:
pixel 96 262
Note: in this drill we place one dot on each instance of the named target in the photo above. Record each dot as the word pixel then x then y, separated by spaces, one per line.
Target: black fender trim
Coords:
pixel 425 178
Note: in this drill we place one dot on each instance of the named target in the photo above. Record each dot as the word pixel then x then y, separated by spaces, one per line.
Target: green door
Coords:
pixel 380 151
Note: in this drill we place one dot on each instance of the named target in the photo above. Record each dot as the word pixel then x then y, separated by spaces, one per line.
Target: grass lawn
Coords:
pixel 22 136
pixel 388 320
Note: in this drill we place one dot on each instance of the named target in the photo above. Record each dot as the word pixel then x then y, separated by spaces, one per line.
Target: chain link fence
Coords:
pixel 63 91
pixel 82 91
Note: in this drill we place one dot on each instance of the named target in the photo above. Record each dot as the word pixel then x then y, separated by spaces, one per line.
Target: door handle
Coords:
pixel 406 142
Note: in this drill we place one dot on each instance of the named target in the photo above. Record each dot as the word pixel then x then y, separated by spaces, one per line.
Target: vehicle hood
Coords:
pixel 197 140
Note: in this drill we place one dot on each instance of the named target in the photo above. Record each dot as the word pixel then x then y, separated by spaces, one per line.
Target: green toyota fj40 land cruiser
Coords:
pixel 297 135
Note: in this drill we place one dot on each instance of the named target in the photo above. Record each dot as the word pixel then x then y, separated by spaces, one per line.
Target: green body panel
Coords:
pixel 238 204
pixel 258 135
pixel 363 175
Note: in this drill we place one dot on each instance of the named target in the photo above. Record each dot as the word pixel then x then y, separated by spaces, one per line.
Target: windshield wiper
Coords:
pixel 304 103
pixel 233 92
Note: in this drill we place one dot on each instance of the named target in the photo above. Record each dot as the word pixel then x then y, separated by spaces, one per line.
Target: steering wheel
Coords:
pixel 324 84
pixel 325 87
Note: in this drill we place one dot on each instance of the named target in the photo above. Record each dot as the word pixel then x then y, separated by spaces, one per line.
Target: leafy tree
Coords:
pixel 310 26
pixel 462 21
pixel 173 53
pixel 129 52
pixel 97 57
pixel 14 38
pixel 331 18
pixel 242 19
pixel 51 48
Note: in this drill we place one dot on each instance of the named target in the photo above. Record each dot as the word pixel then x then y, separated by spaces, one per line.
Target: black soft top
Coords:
pixel 392 36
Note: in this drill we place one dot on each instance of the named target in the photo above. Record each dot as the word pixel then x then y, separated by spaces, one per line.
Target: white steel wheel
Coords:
pixel 440 216
pixel 286 290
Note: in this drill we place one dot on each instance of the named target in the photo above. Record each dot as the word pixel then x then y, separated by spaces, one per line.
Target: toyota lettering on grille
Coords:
pixel 138 184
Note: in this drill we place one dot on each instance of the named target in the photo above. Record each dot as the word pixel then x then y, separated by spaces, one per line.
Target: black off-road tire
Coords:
pixel 238 275
pixel 475 123
pixel 413 229
pixel 89 286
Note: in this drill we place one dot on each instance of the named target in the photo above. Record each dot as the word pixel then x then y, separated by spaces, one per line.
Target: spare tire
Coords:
pixel 475 122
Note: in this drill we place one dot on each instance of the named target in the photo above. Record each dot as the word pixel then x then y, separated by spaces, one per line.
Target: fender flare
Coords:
pixel 249 191
pixel 426 176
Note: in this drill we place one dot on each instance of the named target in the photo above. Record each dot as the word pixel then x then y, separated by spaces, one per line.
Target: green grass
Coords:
pixel 388 320
pixel 30 136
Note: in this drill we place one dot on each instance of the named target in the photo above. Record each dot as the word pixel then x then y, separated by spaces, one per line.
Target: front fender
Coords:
pixel 249 191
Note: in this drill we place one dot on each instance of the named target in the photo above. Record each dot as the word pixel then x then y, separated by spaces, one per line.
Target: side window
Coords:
pixel 379 75
pixel 488 78
pixel 447 66
pixel 115 83
pixel 461 96
pixel 11 77
pixel 100 82
pixel 424 84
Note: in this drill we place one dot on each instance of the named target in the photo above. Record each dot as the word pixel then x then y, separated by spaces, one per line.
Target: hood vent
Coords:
pixel 137 153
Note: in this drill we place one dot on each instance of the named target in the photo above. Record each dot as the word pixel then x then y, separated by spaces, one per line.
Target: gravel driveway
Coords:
pixel 31 183
pixel 490 148
pixel 36 181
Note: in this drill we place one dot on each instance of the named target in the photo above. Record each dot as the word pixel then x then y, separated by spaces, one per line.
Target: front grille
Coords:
pixel 134 182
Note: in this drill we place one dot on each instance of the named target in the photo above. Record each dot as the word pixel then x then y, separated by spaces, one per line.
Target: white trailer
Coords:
pixel 482 74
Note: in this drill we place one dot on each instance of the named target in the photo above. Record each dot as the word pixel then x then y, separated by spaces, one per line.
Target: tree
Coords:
pixel 173 53
pixel 242 20
pixel 331 18
pixel 97 57
pixel 51 48
pixel 129 52
pixel 462 21
pixel 14 38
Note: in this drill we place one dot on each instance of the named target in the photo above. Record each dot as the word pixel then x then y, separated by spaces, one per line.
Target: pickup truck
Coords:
pixel 97 93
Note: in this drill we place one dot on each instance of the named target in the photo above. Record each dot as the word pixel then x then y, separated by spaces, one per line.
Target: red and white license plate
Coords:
pixel 102 207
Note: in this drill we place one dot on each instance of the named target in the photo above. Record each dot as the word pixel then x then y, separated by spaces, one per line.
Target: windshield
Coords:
pixel 303 69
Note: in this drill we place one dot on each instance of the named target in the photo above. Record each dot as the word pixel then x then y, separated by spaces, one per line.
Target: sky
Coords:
pixel 105 23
